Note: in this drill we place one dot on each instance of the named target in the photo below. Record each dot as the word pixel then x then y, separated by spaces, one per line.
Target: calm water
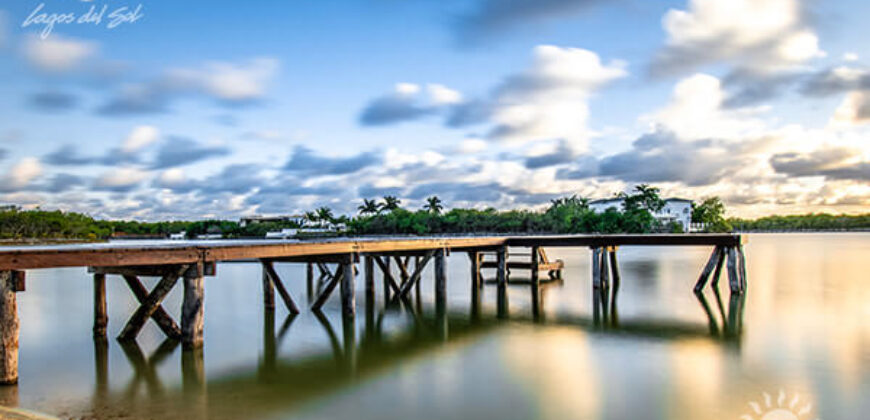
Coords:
pixel 804 340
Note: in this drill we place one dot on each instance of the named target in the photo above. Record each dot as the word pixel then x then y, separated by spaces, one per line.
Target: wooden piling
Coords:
pixel 708 269
pixel 268 291
pixel 596 268
pixel 193 308
pixel 309 281
pixel 501 281
pixel 370 278
pixel 535 261
pixel 474 257
pixel 733 277
pixel 348 297
pixel 101 318
pixel 8 329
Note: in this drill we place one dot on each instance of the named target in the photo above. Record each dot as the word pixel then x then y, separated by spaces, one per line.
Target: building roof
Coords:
pixel 679 199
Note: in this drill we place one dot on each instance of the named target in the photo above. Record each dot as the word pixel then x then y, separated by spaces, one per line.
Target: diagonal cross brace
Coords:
pixel 163 320
pixel 150 303
pixel 415 277
pixel 285 295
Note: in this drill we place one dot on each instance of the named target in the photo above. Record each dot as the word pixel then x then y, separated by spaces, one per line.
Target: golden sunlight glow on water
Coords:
pixel 661 356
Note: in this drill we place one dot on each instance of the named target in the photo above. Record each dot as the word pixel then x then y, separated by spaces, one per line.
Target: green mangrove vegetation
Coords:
pixel 387 217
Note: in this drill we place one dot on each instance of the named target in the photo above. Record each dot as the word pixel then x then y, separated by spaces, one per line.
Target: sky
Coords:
pixel 199 109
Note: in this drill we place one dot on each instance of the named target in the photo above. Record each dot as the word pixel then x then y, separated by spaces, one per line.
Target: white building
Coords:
pixel 677 210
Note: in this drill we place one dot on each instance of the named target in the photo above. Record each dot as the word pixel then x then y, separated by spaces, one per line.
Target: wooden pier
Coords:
pixel 190 262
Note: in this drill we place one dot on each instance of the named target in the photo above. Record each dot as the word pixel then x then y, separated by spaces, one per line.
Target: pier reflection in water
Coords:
pixel 653 349
pixel 390 334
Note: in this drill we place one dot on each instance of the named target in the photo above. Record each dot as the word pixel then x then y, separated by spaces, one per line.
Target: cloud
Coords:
pixel 560 155
pixel 68 155
pixel 53 101
pixel 758 36
pixel 140 137
pixel 836 80
pixel 120 179
pixel 179 151
pixel 831 162
pixel 549 99
pixel 20 175
pixel 62 182
pixel 492 17
pixel 854 110
pixel 407 103
pixel 661 157
pixel 229 84
pixel 305 161
pixel 697 110
pixel 58 54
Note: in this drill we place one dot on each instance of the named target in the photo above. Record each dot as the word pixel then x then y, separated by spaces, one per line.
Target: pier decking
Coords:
pixel 189 262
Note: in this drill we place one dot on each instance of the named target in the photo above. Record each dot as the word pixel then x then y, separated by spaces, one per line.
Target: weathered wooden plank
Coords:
pixel 149 305
pixel 193 310
pixel 72 256
pixel 9 329
pixel 595 241
pixel 209 269
pixel 163 320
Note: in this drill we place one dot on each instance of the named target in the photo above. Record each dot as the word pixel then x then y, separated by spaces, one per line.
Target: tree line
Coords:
pixel 386 216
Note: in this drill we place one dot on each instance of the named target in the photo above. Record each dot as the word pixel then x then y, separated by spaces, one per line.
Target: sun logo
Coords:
pixel 781 409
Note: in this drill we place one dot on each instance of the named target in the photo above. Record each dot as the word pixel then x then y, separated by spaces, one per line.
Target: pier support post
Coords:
pixel 733 273
pixel 101 319
pixel 476 282
pixel 370 278
pixel 268 291
pixel 309 281
pixel 193 308
pixel 348 298
pixel 501 281
pixel 9 285
pixel 441 292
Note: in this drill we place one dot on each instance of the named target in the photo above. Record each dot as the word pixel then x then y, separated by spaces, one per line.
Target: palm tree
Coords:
pixel 368 207
pixel 311 216
pixel 433 205
pixel 324 214
pixel 390 203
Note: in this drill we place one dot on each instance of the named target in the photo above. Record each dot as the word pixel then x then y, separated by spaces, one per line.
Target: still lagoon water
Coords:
pixel 799 347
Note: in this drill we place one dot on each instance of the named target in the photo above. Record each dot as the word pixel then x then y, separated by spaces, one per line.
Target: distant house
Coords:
pixel 678 210
pixel 298 219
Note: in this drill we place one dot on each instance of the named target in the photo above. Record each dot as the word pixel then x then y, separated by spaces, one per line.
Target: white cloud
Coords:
pixel 407 89
pixel 850 56
pixel 239 82
pixel 21 174
pixel 140 137
pixel 696 111
pixel 443 95
pixel 854 110
pixel 472 145
pixel 120 179
pixel 58 54
pixel 763 36
pixel 172 177
pixel 549 100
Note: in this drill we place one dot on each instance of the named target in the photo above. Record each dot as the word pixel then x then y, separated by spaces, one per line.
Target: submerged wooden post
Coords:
pixel 101 319
pixel 733 276
pixel 441 292
pixel 348 298
pixel 501 280
pixel 387 272
pixel 708 269
pixel 474 256
pixel 268 291
pixel 193 307
pixel 370 278
pixel 535 263
pixel 8 328
pixel 596 268
pixel 309 281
